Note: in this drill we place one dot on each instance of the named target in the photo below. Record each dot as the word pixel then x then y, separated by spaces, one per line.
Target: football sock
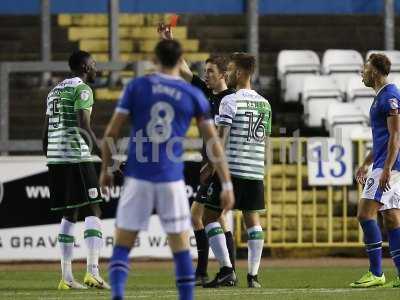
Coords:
pixel 118 271
pixel 184 275
pixel 394 246
pixel 66 243
pixel 202 251
pixel 216 238
pixel 373 245
pixel 255 244
pixel 231 247
pixel 94 242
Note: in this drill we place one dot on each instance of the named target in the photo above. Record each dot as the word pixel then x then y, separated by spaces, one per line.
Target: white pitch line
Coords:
pixel 210 292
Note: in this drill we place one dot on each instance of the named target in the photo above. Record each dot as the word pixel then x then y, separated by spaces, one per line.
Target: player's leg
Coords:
pixel 255 245
pixel 372 200
pixel 119 261
pixel 93 237
pixel 135 207
pixel 66 240
pixel 62 191
pixel 216 238
pixel 197 210
pixel 230 244
pixel 250 200
pixel 391 219
pixel 367 217
pixel 173 209
pixel 184 273
pixel 90 195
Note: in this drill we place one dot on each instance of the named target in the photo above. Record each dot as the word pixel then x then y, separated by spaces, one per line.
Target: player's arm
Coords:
pixel 217 158
pixel 111 135
pixel 83 116
pixel 393 124
pixel 165 32
pixel 45 138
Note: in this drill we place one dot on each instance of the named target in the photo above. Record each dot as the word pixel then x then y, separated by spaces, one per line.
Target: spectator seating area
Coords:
pixel 331 91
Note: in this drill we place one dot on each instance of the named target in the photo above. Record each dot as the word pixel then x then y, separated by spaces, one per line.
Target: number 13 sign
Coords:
pixel 329 162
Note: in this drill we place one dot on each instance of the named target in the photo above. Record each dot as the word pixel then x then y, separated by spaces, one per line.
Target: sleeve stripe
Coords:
pixel 122 110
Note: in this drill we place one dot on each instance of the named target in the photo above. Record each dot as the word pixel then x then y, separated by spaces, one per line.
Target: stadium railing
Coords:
pixel 300 215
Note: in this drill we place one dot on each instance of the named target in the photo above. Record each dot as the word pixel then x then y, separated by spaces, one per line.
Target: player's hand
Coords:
pixel 384 180
pixel 106 180
pixel 165 31
pixel 361 174
pixel 206 172
pixel 227 200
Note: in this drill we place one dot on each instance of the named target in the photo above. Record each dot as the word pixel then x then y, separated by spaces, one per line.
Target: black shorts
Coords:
pixel 249 194
pixel 201 196
pixel 73 185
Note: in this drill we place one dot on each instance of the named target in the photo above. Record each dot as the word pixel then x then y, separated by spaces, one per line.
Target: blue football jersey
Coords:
pixel 161 109
pixel 386 102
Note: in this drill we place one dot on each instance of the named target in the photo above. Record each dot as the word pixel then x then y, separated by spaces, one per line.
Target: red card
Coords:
pixel 174 20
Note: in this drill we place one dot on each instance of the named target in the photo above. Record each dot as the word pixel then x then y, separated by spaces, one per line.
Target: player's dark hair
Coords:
pixel 76 60
pixel 381 63
pixel 220 61
pixel 244 61
pixel 168 52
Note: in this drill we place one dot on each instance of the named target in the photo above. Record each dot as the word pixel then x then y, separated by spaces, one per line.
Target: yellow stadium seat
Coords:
pixel 187 45
pixel 132 57
pixel 98 19
pixel 76 33
pixel 102 19
pixel 107 94
pixel 101 45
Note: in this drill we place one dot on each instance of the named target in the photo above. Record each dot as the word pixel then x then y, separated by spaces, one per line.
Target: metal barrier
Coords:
pixel 299 215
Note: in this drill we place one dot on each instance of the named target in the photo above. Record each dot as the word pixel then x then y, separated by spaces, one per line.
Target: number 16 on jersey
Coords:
pixel 329 162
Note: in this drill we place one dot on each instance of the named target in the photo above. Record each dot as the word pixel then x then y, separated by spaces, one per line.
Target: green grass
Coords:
pixel 23 282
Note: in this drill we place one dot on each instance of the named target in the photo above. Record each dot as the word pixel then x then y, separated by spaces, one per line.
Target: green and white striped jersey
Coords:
pixel 249 116
pixel 65 141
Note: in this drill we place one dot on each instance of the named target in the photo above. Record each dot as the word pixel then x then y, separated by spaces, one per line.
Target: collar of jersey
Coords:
pixel 166 76
pixel 381 89
pixel 247 90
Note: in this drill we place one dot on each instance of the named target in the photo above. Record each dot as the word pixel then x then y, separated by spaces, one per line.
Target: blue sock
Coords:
pixel 184 275
pixel 373 245
pixel 118 271
pixel 394 246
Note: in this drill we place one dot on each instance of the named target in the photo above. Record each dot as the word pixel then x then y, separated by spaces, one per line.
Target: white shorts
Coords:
pixel 389 199
pixel 140 198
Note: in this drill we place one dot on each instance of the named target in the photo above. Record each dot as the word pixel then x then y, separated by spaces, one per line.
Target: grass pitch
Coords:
pixel 155 280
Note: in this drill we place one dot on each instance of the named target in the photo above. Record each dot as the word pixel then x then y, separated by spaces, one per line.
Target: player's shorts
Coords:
pixel 140 198
pixel 73 185
pixel 201 196
pixel 389 199
pixel 249 194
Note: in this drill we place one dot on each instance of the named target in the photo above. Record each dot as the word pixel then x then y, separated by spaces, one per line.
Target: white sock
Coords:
pixel 94 242
pixel 255 244
pixel 217 241
pixel 66 243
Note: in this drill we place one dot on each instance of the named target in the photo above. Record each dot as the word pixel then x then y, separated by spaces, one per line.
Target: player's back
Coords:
pixel 65 143
pixel 249 115
pixel 161 109
pixel 386 103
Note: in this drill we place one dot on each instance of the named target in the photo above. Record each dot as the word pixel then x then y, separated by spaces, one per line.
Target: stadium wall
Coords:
pixel 29 230
pixel 29 7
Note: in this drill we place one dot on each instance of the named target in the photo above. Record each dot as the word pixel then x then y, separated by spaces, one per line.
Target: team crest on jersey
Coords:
pixel 84 95
pixel 93 193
